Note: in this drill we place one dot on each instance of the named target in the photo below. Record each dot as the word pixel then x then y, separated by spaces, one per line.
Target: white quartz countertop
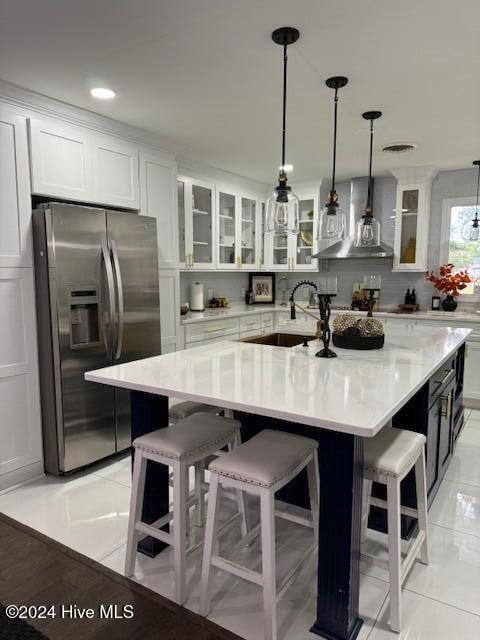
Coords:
pixel 358 392
pixel 236 310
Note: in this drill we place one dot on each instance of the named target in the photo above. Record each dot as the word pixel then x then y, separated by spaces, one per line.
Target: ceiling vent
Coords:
pixel 400 147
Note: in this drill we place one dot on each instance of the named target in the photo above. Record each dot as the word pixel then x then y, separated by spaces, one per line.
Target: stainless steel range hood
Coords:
pixel 346 248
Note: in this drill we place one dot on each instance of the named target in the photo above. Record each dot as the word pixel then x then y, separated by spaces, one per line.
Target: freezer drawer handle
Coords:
pixel 118 279
pixel 111 298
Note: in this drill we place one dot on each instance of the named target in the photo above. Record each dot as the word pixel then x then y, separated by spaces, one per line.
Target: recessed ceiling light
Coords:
pixel 103 93
pixel 286 167
pixel 399 147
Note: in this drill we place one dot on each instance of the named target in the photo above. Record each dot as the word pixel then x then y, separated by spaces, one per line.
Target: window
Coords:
pixel 461 253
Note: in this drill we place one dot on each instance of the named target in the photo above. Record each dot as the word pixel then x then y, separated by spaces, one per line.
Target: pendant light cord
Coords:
pixel 284 123
pixel 335 108
pixel 369 194
pixel 478 185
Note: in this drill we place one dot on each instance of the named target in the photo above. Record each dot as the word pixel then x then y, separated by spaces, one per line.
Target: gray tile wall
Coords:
pixel 447 184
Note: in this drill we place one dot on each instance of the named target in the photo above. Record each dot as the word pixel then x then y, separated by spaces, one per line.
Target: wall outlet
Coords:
pixel 242 292
pixel 210 294
pixel 306 292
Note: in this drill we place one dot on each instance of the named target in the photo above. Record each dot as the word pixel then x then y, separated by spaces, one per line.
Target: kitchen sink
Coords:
pixel 279 339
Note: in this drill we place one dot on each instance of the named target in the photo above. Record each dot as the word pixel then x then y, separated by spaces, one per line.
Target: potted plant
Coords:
pixel 449 283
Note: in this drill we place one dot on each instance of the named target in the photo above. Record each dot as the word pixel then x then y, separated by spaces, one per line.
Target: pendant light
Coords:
pixel 282 207
pixel 368 228
pixel 471 230
pixel 332 223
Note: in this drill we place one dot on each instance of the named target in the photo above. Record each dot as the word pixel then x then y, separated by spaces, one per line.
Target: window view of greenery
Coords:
pixel 463 254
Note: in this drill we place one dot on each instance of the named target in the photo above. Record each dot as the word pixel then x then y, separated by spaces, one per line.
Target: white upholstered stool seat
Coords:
pixel 198 436
pixel 262 466
pixel 183 410
pixel 388 457
pixel 266 458
pixel 187 443
pixel 393 452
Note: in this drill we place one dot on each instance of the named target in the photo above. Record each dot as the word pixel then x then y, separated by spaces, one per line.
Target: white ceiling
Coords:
pixel 205 73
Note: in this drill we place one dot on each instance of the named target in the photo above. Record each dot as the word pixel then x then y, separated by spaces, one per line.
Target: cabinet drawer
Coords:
pixel 267 320
pixel 250 323
pixel 441 378
pixel 213 329
pixel 201 343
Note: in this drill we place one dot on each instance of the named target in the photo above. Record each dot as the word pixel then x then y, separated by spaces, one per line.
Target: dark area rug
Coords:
pixel 36 570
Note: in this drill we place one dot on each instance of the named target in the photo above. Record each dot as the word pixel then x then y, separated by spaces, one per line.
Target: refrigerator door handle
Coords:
pixel 118 278
pixel 111 299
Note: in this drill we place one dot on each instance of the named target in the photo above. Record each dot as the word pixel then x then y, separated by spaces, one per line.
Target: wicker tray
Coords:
pixel 358 342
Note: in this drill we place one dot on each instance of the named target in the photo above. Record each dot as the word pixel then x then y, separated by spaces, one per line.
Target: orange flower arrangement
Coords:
pixel 448 282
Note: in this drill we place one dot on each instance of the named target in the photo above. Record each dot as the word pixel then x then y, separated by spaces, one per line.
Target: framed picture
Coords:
pixel 262 286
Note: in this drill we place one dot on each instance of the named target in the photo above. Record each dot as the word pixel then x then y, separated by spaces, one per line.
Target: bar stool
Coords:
pixel 388 457
pixel 183 410
pixel 179 447
pixel 262 466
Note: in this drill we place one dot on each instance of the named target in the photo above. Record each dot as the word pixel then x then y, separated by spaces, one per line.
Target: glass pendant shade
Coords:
pixel 282 212
pixel 332 223
pixel 367 233
pixel 471 230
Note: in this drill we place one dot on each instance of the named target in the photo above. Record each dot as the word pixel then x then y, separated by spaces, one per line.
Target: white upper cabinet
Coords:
pixel 115 172
pixel 412 217
pixel 15 207
pixel 238 224
pixel 74 163
pixel 158 186
pixel 196 221
pixel 294 253
pixel 60 160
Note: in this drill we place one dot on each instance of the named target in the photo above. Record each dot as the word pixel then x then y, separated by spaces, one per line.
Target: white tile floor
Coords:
pixel 89 513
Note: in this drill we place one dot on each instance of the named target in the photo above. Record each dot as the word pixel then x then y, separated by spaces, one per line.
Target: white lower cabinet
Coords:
pixel 21 456
pixel 471 385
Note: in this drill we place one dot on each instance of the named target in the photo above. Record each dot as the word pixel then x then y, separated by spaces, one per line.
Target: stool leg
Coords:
pixel 179 529
pixel 394 552
pixel 267 518
pixel 421 487
pixel 244 526
pixel 213 503
pixel 314 491
pixel 135 514
pixel 199 494
pixel 367 492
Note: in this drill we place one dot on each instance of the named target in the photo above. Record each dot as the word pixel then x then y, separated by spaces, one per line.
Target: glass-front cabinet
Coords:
pixel 238 231
pixel 412 215
pixel 196 223
pixel 295 253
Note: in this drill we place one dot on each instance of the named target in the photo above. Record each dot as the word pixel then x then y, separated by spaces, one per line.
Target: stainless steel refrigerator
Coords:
pixel 98 304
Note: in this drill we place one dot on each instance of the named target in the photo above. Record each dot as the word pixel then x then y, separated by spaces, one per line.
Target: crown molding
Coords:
pixel 412 175
pixel 30 101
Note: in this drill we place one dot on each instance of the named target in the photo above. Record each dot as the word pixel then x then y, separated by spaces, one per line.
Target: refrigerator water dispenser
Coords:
pixel 84 329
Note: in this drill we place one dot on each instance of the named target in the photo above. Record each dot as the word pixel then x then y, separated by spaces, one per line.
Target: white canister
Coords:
pixel 196 297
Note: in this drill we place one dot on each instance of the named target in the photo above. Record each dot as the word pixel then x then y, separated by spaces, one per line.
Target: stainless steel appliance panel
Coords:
pixel 82 277
pixel 132 243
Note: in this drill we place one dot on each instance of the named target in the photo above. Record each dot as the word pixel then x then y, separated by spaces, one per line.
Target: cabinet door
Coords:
pixel 278 252
pixel 411 227
pixel 248 224
pixel 115 172
pixel 169 309
pixel 306 242
pixel 471 379
pixel 432 444
pixel 199 207
pixel 445 441
pixel 182 223
pixel 60 160
pixel 15 204
pixel 228 256
pixel 159 199
pixel 20 426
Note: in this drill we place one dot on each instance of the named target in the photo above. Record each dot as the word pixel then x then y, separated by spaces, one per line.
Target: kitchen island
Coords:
pixel 338 401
